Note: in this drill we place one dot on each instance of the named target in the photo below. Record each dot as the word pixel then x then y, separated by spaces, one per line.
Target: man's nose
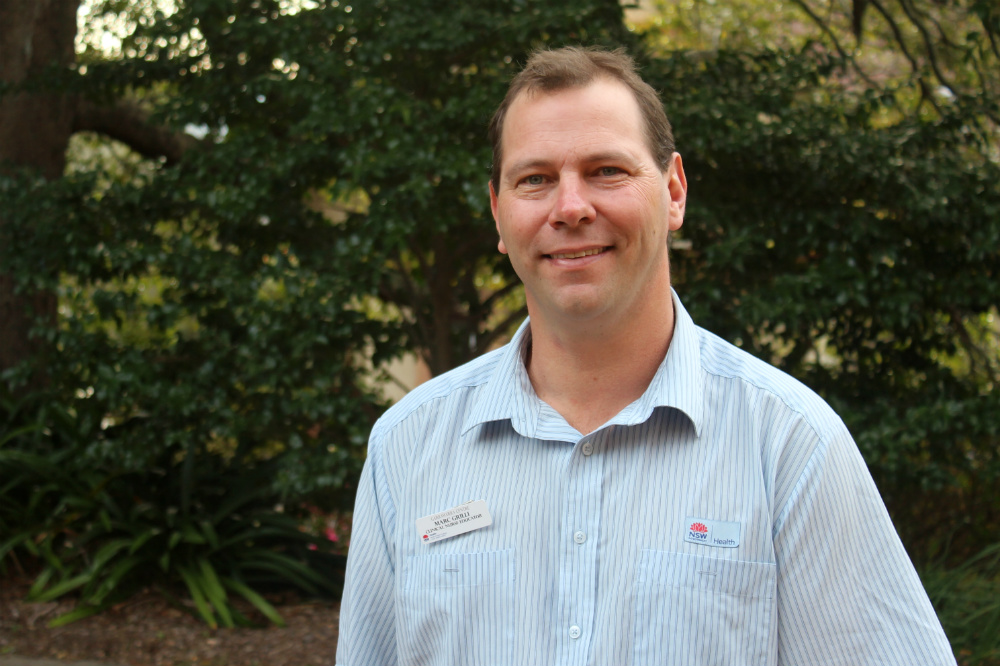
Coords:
pixel 572 205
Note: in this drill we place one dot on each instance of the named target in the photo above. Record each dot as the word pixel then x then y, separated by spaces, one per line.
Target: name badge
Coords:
pixel 718 533
pixel 463 518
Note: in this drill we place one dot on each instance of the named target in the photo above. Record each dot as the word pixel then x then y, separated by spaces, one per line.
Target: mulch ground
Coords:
pixel 147 630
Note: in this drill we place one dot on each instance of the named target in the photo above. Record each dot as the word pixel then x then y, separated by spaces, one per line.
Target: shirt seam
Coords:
pixel 823 439
pixel 387 425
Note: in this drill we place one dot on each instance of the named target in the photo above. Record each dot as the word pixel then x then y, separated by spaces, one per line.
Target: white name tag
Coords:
pixel 452 522
pixel 716 533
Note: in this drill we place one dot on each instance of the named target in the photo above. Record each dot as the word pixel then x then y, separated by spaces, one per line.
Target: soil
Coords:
pixel 147 630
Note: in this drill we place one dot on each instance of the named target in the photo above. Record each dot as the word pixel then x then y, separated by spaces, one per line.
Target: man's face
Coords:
pixel 583 210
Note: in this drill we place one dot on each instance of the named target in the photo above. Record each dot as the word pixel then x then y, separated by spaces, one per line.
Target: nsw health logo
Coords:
pixel 698 532
pixel 717 533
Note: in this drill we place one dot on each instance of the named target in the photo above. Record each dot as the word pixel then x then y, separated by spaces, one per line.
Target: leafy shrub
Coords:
pixel 967 600
pixel 212 524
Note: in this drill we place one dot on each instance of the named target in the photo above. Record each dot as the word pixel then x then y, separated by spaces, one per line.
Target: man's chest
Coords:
pixel 588 544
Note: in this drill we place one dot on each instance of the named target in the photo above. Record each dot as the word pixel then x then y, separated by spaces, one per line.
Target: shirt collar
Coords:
pixel 678 384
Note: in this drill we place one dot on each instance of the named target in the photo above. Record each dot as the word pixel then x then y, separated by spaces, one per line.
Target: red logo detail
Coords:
pixel 698 527
pixel 425 536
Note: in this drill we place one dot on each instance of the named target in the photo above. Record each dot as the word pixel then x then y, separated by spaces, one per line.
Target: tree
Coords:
pixel 34 131
pixel 223 300
pixel 851 239
pixel 334 209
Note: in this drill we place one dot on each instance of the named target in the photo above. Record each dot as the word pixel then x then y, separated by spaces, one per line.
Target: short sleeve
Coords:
pixel 847 592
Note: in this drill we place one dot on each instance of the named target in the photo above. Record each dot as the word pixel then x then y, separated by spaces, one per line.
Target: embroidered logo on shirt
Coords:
pixel 718 533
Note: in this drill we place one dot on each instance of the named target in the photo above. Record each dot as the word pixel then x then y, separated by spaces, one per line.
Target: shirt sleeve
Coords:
pixel 847 591
pixel 367 611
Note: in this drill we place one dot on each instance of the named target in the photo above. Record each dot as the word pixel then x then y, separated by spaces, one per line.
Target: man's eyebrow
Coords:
pixel 538 163
pixel 526 165
pixel 610 156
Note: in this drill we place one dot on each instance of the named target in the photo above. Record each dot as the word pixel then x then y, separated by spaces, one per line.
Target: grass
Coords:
pixel 967 600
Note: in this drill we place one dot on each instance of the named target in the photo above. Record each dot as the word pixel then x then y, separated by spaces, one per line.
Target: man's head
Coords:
pixel 584 199
pixel 575 67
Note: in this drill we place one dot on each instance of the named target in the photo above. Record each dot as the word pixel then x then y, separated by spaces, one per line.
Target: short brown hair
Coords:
pixel 575 67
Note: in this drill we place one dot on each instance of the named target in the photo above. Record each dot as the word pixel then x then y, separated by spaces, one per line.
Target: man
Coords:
pixel 641 491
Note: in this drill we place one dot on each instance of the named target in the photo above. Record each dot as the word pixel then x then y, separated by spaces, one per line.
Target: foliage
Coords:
pixel 862 258
pixel 967 601
pixel 225 302
pixel 927 54
pixel 105 533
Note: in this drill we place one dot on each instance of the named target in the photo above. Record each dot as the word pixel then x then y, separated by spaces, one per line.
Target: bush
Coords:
pixel 967 600
pixel 211 523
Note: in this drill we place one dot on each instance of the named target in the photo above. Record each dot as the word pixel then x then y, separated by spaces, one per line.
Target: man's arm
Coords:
pixel 367 611
pixel 847 591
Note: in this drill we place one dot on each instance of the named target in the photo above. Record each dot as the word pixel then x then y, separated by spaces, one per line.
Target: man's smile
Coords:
pixel 577 254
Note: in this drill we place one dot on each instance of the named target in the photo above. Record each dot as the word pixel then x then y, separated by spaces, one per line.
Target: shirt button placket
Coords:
pixel 578 581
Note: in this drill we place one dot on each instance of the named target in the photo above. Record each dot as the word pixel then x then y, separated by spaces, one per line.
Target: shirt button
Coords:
pixel 579 537
pixel 588 448
pixel 574 631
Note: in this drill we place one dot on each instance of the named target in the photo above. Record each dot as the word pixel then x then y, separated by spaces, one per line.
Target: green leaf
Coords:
pixel 61 588
pixel 258 602
pixel 75 614
pixel 214 592
pixel 190 534
pixel 107 552
pixel 17 432
pixel 111 582
pixel 210 536
pixel 141 540
pixel 197 595
pixel 41 580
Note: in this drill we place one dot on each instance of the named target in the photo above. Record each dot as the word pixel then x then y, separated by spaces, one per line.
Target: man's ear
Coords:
pixel 495 207
pixel 677 187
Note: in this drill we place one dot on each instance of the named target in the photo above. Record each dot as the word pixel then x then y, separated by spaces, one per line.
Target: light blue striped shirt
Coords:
pixel 725 517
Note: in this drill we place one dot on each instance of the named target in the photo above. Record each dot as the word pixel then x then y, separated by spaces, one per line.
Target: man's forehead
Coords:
pixel 535 93
pixel 531 123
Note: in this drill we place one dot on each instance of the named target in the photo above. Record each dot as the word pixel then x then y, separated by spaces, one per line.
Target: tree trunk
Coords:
pixel 34 132
pixel 440 357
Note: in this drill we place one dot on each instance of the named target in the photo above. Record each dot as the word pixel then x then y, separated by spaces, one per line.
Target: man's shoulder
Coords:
pixel 462 379
pixel 728 362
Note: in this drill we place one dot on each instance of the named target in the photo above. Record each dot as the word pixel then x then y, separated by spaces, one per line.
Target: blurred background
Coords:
pixel 232 232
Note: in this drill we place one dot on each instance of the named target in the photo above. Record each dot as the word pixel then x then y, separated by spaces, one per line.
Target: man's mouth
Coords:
pixel 577 255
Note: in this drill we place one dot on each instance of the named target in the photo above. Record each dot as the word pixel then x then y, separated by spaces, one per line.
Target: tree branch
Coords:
pixel 989 33
pixel 833 38
pixel 897 33
pixel 928 46
pixel 411 287
pixel 484 341
pixel 491 300
pixel 978 358
pixel 128 123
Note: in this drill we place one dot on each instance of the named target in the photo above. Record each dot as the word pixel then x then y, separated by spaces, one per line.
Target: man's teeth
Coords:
pixel 577 255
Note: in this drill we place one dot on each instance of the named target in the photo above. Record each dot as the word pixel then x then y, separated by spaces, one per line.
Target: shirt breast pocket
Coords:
pixel 457 608
pixel 700 611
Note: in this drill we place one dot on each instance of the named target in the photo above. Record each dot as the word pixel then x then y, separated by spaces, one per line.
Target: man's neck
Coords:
pixel 589 374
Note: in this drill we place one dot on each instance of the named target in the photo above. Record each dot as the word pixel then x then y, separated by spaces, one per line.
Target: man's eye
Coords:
pixel 609 171
pixel 533 180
